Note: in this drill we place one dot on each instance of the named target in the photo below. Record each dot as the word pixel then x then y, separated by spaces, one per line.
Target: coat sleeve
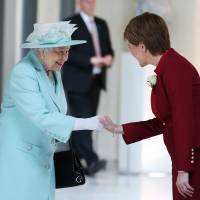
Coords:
pixel 79 59
pixel 107 39
pixel 25 93
pixel 178 84
pixel 136 131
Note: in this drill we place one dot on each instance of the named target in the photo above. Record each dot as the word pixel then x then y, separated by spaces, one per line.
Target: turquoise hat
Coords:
pixel 50 35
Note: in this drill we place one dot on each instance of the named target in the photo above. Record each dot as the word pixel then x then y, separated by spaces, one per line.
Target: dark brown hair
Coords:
pixel 149 29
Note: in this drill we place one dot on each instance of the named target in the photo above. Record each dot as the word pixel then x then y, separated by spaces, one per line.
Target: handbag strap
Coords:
pixel 76 160
pixel 70 144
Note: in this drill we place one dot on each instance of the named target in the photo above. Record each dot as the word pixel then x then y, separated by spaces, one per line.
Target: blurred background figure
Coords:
pixel 84 75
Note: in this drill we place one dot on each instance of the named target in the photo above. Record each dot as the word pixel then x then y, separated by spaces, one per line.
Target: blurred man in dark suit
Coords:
pixel 84 75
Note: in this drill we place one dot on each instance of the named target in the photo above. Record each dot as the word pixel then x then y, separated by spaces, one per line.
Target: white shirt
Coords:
pixel 87 19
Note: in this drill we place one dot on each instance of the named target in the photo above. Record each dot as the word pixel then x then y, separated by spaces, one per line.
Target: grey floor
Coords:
pixel 110 185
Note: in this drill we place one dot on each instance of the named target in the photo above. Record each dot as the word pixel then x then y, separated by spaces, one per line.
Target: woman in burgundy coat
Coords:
pixel 175 102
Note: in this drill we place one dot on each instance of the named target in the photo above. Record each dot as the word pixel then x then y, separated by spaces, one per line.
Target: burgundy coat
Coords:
pixel 175 101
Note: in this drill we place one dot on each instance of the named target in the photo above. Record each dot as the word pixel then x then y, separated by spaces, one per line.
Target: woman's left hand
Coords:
pixel 183 186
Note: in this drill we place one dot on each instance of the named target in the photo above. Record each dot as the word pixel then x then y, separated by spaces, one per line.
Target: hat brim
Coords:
pixel 29 45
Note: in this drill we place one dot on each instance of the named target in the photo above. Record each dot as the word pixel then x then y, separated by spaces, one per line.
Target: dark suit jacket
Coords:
pixel 77 71
pixel 176 105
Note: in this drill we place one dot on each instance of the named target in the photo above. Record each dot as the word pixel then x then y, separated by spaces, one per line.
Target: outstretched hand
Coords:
pixel 110 126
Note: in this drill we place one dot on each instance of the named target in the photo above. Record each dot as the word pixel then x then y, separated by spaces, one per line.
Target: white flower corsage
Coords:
pixel 151 80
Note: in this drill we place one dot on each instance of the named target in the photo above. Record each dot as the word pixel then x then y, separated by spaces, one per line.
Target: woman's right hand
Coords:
pixel 183 186
pixel 110 126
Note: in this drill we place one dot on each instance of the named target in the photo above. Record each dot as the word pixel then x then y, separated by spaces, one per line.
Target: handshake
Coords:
pixel 97 123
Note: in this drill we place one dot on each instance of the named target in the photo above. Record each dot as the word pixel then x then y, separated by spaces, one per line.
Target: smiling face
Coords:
pixel 54 59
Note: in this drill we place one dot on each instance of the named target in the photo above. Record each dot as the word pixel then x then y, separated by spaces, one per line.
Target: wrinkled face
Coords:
pixel 54 59
pixel 88 6
pixel 139 52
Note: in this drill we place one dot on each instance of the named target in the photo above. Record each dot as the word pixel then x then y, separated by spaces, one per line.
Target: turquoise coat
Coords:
pixel 33 118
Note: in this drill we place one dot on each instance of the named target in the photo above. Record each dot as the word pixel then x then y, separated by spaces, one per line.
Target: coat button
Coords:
pixel 29 147
pixel 192 157
pixel 192 161
pixel 47 166
pixel 192 149
pixel 163 123
pixel 192 153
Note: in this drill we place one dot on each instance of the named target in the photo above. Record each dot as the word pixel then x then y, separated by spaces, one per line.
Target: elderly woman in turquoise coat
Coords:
pixel 33 117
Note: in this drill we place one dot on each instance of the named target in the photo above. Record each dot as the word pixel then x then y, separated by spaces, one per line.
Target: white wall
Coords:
pixel 182 27
pixel 196 58
pixel 185 29
pixel 48 11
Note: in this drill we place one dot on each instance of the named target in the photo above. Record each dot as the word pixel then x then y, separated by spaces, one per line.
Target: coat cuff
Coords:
pixel 185 164
pixel 128 138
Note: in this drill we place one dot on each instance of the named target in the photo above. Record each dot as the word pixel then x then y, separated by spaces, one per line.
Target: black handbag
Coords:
pixel 68 169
